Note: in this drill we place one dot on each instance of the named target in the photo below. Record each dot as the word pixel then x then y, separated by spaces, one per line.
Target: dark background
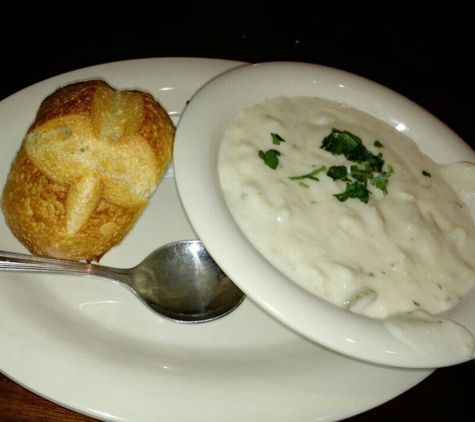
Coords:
pixel 423 50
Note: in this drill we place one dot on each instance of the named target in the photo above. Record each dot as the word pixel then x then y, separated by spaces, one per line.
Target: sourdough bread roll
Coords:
pixel 86 169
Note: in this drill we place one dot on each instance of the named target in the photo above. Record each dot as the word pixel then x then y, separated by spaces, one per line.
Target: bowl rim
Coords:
pixel 199 131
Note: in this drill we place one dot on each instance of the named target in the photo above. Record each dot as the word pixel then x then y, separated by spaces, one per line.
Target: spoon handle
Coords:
pixel 10 261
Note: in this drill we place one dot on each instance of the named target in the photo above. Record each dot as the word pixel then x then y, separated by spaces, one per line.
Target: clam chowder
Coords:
pixel 351 210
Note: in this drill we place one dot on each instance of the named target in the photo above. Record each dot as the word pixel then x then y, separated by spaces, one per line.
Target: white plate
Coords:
pixel 91 346
pixel 196 148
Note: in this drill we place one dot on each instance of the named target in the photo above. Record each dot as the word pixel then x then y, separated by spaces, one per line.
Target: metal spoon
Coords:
pixel 180 281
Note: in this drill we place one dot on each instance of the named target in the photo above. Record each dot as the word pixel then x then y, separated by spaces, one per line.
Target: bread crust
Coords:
pixel 86 169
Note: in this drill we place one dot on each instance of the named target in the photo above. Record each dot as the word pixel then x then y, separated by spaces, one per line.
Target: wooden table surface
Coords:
pixel 422 53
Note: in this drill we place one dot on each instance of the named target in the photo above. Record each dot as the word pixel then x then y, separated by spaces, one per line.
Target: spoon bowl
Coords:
pixel 180 280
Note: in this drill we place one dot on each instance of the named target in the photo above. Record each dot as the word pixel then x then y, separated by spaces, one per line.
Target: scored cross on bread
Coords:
pixel 86 169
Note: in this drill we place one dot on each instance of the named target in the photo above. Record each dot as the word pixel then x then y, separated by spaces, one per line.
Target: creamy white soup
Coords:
pixel 385 241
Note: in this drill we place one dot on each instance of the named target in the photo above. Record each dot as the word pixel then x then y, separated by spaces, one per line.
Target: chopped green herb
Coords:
pixel 338 173
pixel 277 139
pixel 309 175
pixel 381 181
pixel 351 147
pixel 340 142
pixel 366 158
pixel 270 157
pixel 426 174
pixel 345 143
pixel 354 190
pixel 360 175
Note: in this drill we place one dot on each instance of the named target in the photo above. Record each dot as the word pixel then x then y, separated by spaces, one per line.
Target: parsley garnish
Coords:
pixel 381 181
pixel 338 173
pixel 360 175
pixel 366 158
pixel 277 139
pixel 309 175
pixel 341 142
pixel 357 175
pixel 351 147
pixel 354 190
pixel 345 143
pixel 270 157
